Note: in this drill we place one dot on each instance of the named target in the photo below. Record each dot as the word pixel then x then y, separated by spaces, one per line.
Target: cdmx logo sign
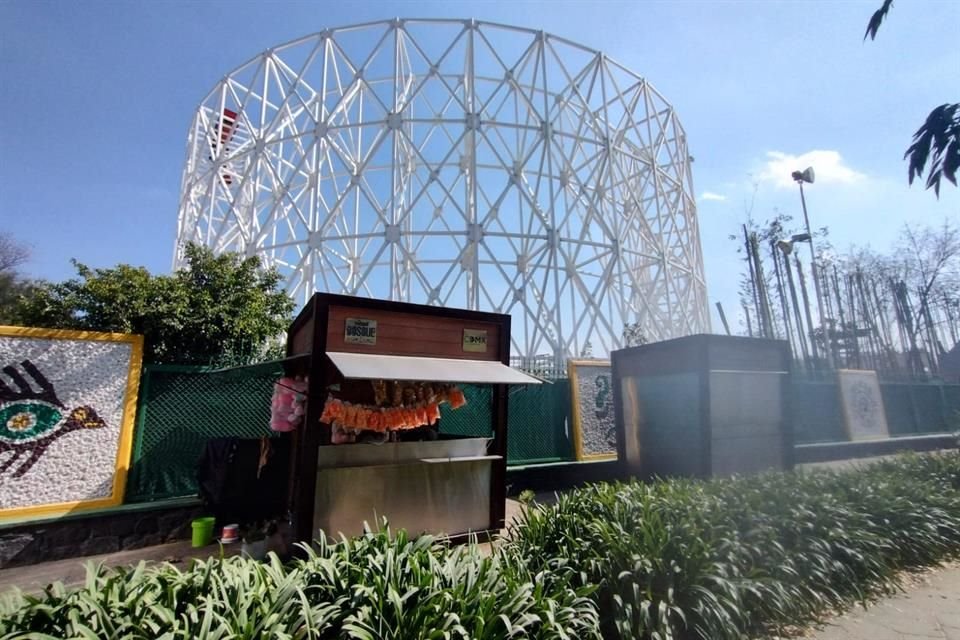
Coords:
pixel 32 418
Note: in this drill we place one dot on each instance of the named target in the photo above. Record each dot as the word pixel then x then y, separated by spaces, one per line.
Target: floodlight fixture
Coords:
pixel 807 175
pixel 786 246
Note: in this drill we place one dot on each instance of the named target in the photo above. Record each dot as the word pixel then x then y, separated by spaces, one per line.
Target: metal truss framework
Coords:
pixel 457 163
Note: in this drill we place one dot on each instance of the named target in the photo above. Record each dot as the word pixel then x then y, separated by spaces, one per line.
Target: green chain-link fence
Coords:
pixel 911 409
pixel 537 421
pixel 180 408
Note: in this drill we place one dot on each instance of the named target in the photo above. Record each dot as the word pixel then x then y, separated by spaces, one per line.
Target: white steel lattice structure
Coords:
pixel 456 163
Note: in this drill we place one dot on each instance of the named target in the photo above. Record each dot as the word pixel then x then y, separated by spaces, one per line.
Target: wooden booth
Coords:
pixel 382 376
pixel 703 405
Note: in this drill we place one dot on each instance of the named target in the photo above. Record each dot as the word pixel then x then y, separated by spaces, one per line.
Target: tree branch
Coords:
pixel 876 19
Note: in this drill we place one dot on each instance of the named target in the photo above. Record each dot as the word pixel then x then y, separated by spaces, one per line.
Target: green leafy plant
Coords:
pixel 376 586
pixel 526 496
pixel 730 558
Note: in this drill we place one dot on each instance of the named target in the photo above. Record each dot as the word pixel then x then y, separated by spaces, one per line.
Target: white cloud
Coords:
pixel 828 165
pixel 709 195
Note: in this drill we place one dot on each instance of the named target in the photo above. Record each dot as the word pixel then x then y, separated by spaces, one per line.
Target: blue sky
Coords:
pixel 96 97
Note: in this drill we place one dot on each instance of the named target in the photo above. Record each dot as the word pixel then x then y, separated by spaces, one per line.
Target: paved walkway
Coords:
pixel 73 571
pixel 928 608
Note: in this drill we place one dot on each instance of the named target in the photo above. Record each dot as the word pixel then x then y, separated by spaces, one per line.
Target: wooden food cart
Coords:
pixel 388 366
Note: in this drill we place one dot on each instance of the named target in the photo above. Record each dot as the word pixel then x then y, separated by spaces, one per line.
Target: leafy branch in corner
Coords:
pixel 937 140
pixel 876 19
pixel 941 135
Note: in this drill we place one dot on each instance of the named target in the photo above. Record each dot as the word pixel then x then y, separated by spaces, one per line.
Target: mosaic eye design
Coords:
pixel 32 417
pixel 27 420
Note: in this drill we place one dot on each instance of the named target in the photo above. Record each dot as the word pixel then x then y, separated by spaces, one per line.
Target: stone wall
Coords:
pixel 96 533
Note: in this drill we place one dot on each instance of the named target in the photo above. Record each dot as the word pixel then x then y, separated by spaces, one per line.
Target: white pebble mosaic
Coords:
pixel 595 410
pixel 81 464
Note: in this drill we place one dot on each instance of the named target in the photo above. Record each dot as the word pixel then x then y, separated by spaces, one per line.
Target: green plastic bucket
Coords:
pixel 202 531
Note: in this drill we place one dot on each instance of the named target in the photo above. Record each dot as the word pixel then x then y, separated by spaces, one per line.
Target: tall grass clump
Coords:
pixel 732 558
pixel 376 586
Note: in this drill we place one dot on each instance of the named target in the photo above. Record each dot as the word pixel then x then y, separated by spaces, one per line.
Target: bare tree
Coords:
pixel 896 311
pixel 930 270
pixel 633 335
pixel 930 256
pixel 762 288
pixel 587 350
pixel 12 254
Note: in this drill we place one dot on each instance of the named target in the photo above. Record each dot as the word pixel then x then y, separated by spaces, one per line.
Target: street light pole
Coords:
pixel 828 343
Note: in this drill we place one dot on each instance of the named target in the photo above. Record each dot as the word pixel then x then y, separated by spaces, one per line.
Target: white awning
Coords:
pixel 367 366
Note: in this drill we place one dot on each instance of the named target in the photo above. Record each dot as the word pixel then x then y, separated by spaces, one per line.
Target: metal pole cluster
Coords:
pixel 864 320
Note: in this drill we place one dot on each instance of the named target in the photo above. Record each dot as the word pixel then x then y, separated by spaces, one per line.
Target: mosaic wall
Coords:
pixel 67 404
pixel 594 423
pixel 863 413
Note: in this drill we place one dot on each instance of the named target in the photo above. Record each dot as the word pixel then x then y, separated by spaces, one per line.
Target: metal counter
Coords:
pixel 438 487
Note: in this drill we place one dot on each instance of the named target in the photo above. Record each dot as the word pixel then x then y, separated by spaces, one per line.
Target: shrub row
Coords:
pixel 373 586
pixel 674 559
pixel 735 558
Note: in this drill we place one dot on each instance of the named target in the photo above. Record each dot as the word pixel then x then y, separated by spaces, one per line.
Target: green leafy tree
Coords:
pixel 219 309
pixel 937 141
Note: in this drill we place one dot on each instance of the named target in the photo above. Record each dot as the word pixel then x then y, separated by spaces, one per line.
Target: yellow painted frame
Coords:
pixel 122 463
pixel 572 366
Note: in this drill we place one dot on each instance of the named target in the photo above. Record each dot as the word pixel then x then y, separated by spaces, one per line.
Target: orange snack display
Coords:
pixel 456 398
pixel 413 415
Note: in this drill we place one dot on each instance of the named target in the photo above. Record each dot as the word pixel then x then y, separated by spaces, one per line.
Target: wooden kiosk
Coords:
pixel 443 484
